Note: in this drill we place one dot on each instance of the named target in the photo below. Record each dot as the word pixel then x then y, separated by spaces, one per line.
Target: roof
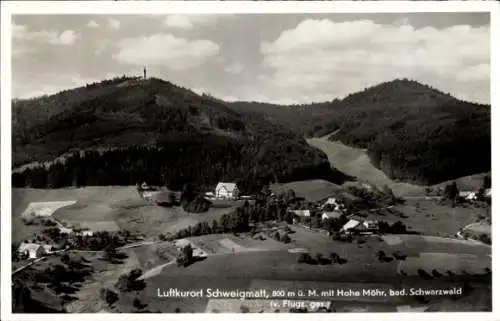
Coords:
pixel 331 200
pixel 28 247
pixel 332 214
pixel 33 247
pixel 227 186
pixel 351 224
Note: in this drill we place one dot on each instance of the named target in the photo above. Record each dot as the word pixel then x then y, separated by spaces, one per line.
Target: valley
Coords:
pixel 292 213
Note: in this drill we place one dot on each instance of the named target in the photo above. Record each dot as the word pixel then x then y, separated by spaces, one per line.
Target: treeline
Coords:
pixel 201 160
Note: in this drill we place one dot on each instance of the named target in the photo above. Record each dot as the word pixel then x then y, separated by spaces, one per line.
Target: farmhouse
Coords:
pixel 33 250
pixel 226 190
pixel 328 215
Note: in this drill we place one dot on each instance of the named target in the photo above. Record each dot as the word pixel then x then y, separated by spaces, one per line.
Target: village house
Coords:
pixel 331 215
pixel 33 250
pixel 226 191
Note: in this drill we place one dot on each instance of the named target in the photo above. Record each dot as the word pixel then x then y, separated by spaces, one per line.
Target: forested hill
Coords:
pixel 411 131
pixel 127 130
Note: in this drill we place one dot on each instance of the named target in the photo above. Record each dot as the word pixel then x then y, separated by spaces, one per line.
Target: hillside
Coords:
pixel 412 132
pixel 125 130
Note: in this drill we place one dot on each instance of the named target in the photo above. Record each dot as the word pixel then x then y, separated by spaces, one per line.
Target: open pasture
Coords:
pixel 282 265
pixel 229 243
pixel 45 208
pixel 311 190
pixel 435 244
pixel 431 218
pixel 355 162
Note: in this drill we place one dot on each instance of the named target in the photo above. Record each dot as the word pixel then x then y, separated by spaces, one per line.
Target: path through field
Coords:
pixel 355 162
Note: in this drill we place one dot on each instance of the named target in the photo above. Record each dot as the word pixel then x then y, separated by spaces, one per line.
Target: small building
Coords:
pixel 226 191
pixel 65 230
pixel 34 250
pixel 370 225
pixel 331 215
pixel 352 224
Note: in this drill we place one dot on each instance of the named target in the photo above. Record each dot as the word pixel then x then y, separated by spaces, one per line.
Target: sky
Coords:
pixel 279 58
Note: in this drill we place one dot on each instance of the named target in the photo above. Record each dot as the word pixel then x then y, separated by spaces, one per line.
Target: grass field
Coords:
pixel 107 208
pixel 355 162
pixel 311 190
pixel 272 270
pixel 429 217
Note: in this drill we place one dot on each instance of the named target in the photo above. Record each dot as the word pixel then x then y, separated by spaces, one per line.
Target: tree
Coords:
pixel 304 258
pixel 451 191
pixel 334 258
pixel 185 256
pixel 398 228
pixel 138 304
pixel 289 195
pixel 109 296
pixel 65 259
pixel 171 198
pixel 486 182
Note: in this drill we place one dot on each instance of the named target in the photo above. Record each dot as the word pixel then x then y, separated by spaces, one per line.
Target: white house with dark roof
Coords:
pixel 226 190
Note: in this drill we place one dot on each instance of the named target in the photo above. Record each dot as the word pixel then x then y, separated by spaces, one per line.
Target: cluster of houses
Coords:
pixel 33 250
pixel 333 208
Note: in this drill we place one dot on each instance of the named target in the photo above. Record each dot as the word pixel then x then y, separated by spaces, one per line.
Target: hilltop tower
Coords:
pixel 144 72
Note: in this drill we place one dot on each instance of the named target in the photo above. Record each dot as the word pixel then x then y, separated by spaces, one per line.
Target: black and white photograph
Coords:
pixel 233 162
